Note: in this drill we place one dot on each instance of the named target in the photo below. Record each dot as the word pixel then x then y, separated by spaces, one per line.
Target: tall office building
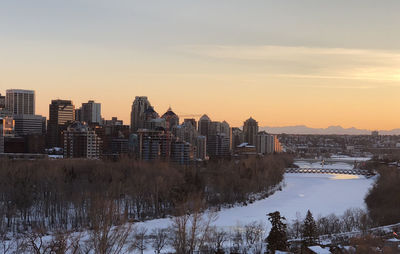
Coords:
pixel 20 102
pixel 61 113
pixel 250 130
pixel 139 107
pixel 204 124
pixel 91 112
pixel 171 119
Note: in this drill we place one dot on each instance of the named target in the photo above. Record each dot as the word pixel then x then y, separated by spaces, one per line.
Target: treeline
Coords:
pixel 352 220
pixel 383 200
pixel 68 194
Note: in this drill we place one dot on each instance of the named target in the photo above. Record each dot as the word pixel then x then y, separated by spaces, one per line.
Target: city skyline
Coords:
pixel 291 128
pixel 283 63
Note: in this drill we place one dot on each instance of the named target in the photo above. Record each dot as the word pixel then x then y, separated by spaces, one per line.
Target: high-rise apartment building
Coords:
pixel 250 130
pixel 91 112
pixel 80 141
pixel 61 113
pixel 20 102
pixel 265 143
pixel 154 145
pixel 218 146
pixel 139 107
pixel 180 152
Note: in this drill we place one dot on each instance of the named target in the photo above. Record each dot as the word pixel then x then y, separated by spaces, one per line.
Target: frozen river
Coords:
pixel 322 194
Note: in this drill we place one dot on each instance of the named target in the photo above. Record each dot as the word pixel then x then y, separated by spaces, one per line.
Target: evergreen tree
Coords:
pixel 309 231
pixel 277 238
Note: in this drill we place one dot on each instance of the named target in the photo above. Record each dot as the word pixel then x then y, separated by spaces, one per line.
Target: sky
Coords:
pixel 311 62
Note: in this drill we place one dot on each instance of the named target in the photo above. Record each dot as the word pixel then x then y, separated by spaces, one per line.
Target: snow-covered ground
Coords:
pixel 322 194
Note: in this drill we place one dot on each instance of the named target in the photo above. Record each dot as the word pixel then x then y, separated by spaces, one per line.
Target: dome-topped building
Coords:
pixel 171 119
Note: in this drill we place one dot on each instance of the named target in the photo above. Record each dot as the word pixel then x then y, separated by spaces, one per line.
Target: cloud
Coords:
pixel 309 62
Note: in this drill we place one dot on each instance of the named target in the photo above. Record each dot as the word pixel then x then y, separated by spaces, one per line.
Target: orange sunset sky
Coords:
pixel 316 63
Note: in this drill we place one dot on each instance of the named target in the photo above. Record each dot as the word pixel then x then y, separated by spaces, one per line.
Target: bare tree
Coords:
pixel 253 235
pixel 217 239
pixel 160 239
pixel 140 241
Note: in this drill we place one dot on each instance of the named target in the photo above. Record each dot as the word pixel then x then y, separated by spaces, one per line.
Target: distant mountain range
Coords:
pixel 302 129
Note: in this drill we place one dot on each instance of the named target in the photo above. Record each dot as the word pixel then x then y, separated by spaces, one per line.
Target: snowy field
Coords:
pixel 322 194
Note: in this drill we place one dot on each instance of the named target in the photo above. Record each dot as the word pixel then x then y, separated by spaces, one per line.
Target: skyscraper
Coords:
pixel 20 102
pixel 139 106
pixel 204 124
pixel 91 112
pixel 250 130
pixel 61 113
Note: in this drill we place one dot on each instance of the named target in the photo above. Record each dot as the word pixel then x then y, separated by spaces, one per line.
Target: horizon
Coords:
pixel 310 63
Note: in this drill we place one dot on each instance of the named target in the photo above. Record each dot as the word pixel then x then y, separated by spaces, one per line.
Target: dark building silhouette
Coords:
pixel 139 107
pixel 250 130
pixel 61 113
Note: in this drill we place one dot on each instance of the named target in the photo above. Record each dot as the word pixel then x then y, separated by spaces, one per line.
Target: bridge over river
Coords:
pixel 329 171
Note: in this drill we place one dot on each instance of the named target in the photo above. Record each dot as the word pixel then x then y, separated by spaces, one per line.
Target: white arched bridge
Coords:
pixel 329 171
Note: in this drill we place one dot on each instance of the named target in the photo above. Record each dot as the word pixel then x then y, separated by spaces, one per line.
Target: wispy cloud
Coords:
pixel 310 62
